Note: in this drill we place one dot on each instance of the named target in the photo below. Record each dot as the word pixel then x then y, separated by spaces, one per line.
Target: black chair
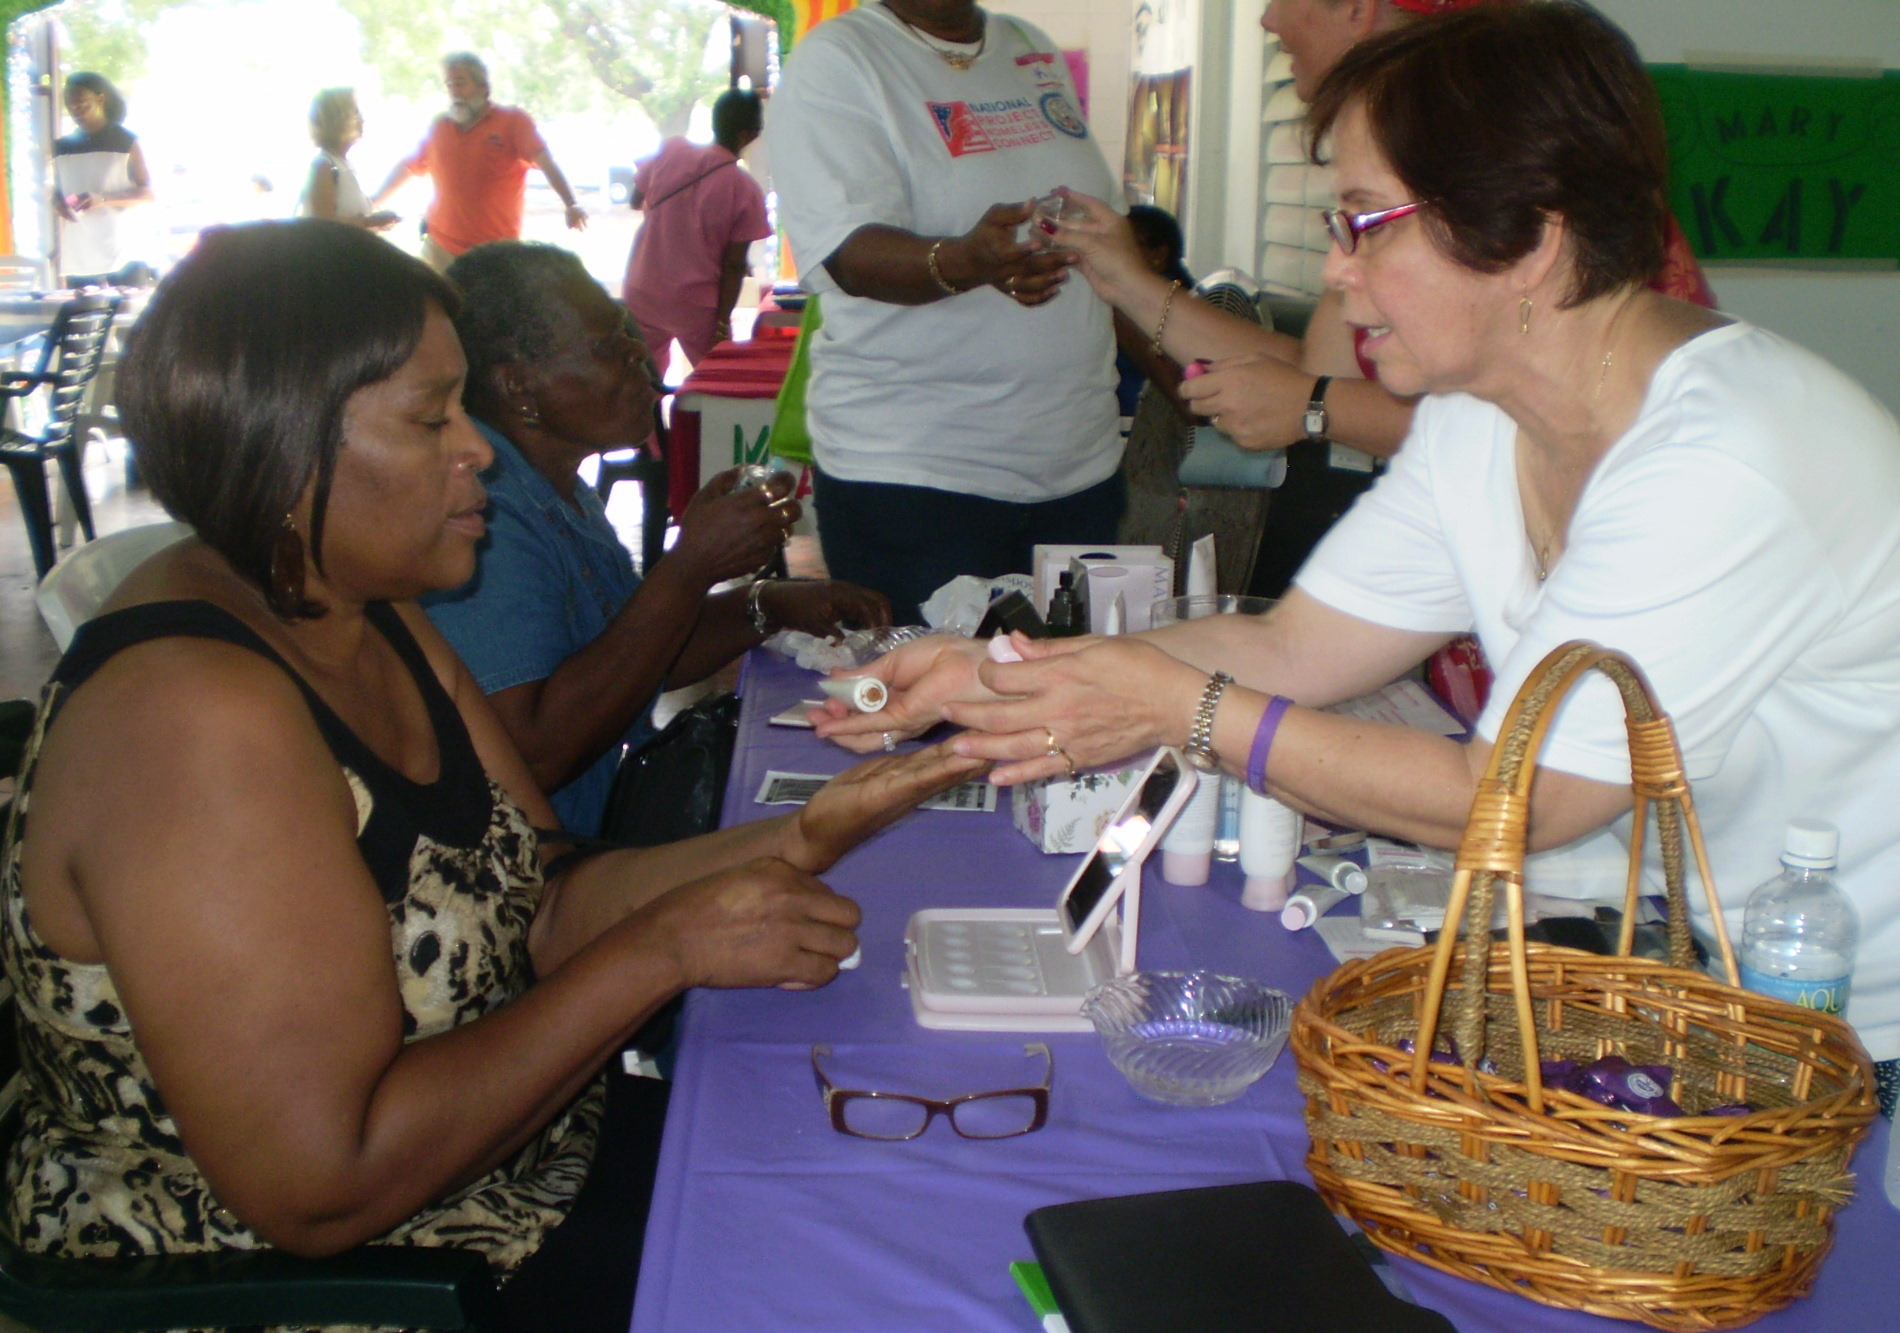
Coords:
pixel 69 358
pixel 377 1285
pixel 638 465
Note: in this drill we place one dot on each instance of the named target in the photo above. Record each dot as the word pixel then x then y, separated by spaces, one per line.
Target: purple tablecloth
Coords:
pixel 765 1218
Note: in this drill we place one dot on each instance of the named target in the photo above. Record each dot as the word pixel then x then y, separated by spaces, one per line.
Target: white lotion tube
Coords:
pixel 1187 852
pixel 1309 905
pixel 1269 840
pixel 1200 570
pixel 866 694
pixel 1337 871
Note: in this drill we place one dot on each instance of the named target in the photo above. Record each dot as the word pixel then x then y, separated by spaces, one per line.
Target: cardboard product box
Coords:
pixel 1063 815
pixel 1148 576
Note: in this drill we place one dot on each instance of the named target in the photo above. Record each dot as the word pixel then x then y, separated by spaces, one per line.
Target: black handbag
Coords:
pixel 672 787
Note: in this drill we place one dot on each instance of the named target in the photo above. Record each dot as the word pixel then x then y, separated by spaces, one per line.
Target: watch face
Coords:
pixel 1202 761
pixel 1315 422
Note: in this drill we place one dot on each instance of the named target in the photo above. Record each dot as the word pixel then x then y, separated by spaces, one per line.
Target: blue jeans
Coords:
pixel 908 541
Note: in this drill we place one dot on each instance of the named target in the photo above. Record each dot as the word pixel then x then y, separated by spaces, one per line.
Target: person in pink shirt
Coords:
pixel 701 212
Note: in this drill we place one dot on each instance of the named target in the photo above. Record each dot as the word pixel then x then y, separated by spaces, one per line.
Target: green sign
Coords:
pixel 1780 166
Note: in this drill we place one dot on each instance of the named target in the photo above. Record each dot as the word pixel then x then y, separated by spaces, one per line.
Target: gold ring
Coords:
pixel 1011 285
pixel 1065 759
pixel 1054 746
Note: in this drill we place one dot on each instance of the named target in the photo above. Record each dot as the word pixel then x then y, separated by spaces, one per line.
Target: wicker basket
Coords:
pixel 1702 1222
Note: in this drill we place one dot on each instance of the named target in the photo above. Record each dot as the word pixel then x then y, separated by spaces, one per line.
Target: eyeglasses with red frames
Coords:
pixel 1347 228
pixel 896 1116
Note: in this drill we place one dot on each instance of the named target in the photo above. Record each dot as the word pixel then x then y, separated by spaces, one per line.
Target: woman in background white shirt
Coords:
pixel 99 171
pixel 332 191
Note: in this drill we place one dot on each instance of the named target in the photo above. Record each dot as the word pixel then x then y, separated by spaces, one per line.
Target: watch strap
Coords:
pixel 1315 416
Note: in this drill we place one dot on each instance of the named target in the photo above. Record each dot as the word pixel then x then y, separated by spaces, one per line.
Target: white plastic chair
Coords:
pixel 78 586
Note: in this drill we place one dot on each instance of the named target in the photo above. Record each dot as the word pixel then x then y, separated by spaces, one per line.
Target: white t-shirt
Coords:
pixel 351 203
pixel 972 393
pixel 1742 544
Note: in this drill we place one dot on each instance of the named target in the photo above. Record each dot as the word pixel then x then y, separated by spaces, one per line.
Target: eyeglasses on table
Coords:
pixel 896 1116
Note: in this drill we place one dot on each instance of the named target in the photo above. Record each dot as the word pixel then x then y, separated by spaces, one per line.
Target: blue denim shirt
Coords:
pixel 548 577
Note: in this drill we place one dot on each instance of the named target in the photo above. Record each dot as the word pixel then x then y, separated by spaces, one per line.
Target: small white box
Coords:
pixel 1062 815
pixel 1150 577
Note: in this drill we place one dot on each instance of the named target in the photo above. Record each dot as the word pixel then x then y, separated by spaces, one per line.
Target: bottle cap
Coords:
pixel 1266 893
pixel 1812 844
pixel 1186 868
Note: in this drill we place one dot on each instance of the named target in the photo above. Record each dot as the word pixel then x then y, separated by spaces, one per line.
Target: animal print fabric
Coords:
pixel 98 1169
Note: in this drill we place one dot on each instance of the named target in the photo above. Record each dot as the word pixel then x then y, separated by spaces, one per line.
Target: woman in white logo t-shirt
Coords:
pixel 962 402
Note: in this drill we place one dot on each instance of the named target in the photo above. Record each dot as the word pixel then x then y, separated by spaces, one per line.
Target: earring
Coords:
pixel 530 415
pixel 286 571
pixel 1524 315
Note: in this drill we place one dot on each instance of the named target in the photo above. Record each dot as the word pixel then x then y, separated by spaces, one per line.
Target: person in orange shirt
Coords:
pixel 478 155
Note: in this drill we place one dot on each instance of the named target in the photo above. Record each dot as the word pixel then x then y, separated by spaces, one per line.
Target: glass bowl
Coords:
pixel 1189 1038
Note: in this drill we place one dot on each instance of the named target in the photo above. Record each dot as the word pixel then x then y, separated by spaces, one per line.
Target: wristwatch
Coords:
pixel 1315 419
pixel 1200 747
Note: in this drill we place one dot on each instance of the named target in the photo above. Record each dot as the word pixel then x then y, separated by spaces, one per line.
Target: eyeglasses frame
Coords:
pixel 1346 228
pixel 836 1099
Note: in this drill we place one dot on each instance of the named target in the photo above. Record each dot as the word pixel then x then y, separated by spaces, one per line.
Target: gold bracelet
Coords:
pixel 1154 344
pixel 936 274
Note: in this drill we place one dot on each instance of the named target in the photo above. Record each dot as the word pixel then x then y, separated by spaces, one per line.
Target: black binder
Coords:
pixel 1262 1256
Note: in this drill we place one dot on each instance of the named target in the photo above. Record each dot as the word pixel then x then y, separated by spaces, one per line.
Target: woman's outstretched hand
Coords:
pixel 1100 700
pixel 868 797
pixel 1104 242
pixel 923 675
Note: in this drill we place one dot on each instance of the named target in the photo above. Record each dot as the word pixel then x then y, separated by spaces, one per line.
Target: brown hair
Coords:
pixel 234 381
pixel 1502 116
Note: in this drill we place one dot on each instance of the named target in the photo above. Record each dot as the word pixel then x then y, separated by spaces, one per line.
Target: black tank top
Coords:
pixel 453 810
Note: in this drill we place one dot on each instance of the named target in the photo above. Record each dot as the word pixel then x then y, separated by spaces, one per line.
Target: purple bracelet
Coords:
pixel 1263 742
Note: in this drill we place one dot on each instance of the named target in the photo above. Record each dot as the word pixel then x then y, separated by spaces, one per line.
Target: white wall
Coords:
pixel 1853 319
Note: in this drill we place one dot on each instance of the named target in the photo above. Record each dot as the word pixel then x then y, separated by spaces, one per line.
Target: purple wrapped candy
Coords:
pixel 1732 1109
pixel 1564 1076
pixel 1643 1089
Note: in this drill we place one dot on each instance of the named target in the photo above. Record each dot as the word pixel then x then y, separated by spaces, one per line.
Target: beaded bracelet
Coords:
pixel 1154 344
pixel 1263 742
pixel 936 274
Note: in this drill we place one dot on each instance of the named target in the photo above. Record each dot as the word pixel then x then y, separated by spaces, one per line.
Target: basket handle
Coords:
pixel 1493 847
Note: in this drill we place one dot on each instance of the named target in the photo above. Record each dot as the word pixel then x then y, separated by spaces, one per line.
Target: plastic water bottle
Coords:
pixel 1800 931
pixel 1227 829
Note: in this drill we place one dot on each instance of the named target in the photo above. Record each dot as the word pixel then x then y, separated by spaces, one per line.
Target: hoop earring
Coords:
pixel 1524 305
pixel 285 593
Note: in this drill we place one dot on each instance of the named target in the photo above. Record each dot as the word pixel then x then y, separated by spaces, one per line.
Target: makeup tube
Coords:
pixel 866 694
pixel 1187 852
pixel 1200 570
pixel 1309 905
pixel 1117 616
pixel 1269 840
pixel 1337 871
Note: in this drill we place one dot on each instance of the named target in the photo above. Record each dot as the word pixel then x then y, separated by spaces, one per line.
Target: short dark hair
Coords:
pixel 100 84
pixel 512 292
pixel 736 113
pixel 234 381
pixel 1501 116
pixel 327 110
pixel 1157 227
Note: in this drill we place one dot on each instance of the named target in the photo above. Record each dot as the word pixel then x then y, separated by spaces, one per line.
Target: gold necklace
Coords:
pixel 1609 352
pixel 957 60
